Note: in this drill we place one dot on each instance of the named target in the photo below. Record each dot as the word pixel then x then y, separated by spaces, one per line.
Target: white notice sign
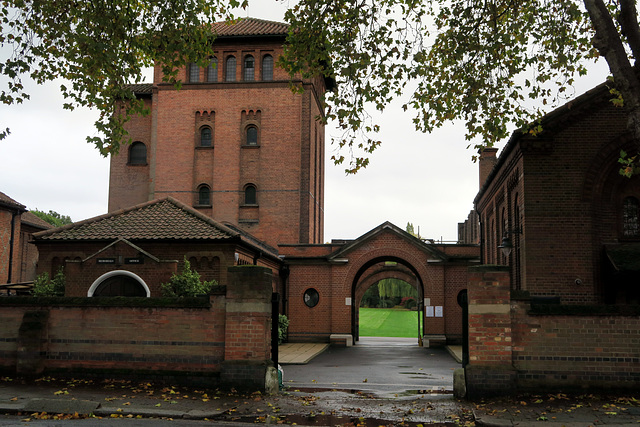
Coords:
pixel 438 311
pixel 429 311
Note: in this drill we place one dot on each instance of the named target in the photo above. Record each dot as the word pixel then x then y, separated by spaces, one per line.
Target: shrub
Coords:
pixel 408 303
pixel 186 284
pixel 283 325
pixel 44 287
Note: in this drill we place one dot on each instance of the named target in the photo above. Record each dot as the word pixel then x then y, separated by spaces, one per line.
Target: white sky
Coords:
pixel 426 179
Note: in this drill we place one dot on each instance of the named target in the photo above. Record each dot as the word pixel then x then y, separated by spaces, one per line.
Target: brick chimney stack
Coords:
pixel 487 161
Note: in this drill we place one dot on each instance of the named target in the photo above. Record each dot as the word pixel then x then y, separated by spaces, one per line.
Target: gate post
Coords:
pixel 247 351
pixel 490 369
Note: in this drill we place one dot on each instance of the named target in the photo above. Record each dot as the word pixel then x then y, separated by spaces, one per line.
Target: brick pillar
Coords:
pixel 247 354
pixel 490 370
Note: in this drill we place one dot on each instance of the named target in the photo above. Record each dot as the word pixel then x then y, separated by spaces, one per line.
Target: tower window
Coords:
pixel 252 135
pixel 204 195
pixel 630 217
pixel 205 137
pixel 250 195
pixel 212 70
pixel 267 67
pixel 230 72
pixel 138 153
pixel 194 73
pixel 249 68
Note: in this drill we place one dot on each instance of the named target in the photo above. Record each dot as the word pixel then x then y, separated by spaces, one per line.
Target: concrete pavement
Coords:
pixel 122 399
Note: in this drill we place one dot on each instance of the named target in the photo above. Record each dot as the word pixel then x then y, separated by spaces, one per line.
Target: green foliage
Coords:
pixel 283 325
pixel 52 217
pixel 481 63
pixel 388 293
pixel 44 287
pixel 629 164
pixel 411 230
pixel 186 284
pixel 100 47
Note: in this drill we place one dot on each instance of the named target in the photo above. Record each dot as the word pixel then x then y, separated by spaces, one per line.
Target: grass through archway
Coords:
pixel 388 322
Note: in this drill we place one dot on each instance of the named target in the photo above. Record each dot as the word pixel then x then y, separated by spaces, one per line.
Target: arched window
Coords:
pixel 250 196
pixel 205 137
pixel 138 153
pixel 230 69
pixel 630 217
pixel 194 73
pixel 204 195
pixel 119 283
pixel 252 135
pixel 267 67
pixel 212 70
pixel 249 69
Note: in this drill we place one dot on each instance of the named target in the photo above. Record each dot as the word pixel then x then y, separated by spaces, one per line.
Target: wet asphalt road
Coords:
pixel 386 367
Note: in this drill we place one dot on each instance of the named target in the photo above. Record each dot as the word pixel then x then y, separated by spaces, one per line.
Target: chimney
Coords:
pixel 487 161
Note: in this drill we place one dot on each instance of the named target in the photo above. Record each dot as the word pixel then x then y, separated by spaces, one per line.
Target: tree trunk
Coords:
pixel 611 47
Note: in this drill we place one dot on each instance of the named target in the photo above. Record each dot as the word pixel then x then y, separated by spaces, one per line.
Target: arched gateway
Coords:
pixel 338 274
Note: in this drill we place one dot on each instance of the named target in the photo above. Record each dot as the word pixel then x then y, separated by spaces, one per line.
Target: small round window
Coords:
pixel 311 297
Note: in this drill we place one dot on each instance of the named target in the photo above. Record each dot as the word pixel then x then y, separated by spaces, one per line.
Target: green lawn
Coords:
pixel 388 322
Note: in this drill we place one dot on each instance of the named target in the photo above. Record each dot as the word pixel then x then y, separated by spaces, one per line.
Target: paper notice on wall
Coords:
pixel 429 311
pixel 347 301
pixel 438 311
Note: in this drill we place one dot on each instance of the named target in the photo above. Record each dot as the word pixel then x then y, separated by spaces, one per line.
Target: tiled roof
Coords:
pixel 163 219
pixel 9 202
pixel 34 220
pixel 250 27
pixel 141 88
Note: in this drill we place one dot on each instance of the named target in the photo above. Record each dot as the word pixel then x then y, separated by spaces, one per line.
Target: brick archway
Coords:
pixel 373 275
pixel 374 270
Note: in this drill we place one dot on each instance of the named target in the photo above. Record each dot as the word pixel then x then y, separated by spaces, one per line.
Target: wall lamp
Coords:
pixel 506 247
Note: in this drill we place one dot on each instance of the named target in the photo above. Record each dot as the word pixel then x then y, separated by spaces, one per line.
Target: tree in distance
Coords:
pixel 52 217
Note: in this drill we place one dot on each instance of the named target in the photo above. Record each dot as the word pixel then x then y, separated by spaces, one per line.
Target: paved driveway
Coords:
pixel 383 366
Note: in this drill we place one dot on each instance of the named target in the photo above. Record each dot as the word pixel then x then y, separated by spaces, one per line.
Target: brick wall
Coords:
pixel 160 261
pixel 510 348
pixel 575 351
pixel 227 343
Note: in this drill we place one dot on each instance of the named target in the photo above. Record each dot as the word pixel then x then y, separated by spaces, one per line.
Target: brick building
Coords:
pixel 18 258
pixel 235 142
pixel 133 251
pixel 238 150
pixel 572 220
pixel 325 283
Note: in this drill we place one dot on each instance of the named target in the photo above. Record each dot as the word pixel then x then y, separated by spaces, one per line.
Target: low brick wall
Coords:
pixel 195 343
pixel 575 350
pixel 513 347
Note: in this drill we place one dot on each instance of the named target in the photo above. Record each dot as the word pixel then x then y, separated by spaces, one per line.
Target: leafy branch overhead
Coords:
pixel 99 47
pixel 490 64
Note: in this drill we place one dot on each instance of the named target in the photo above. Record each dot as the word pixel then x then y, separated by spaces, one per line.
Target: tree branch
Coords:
pixel 610 45
pixel 628 20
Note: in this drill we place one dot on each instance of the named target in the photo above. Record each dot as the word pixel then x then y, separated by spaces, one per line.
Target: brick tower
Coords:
pixel 234 142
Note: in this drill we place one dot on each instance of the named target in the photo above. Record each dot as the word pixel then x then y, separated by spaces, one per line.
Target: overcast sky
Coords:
pixel 426 179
